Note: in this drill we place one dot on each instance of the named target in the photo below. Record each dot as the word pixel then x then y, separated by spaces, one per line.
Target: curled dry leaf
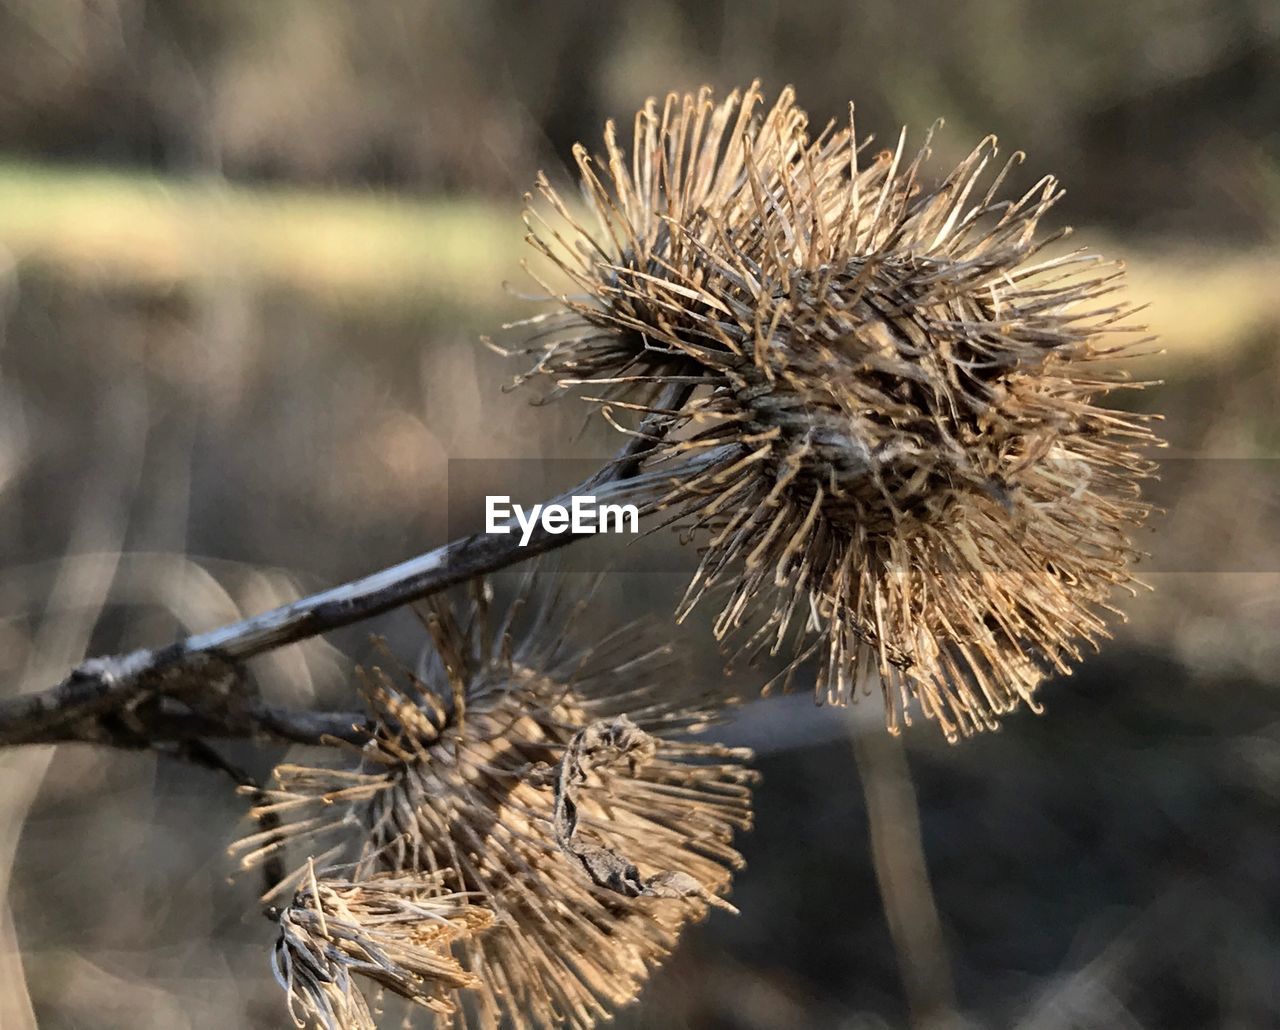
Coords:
pixel 596 746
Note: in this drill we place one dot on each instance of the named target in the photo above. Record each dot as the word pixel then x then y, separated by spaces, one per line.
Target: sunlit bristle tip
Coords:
pixel 616 260
pixel 506 765
pixel 905 472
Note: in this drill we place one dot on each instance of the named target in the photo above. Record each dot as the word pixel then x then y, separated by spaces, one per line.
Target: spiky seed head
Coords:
pixel 456 783
pixel 394 932
pixel 916 480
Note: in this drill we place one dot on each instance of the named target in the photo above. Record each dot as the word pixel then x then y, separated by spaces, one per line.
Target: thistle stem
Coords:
pixel 137 689
pixel 902 873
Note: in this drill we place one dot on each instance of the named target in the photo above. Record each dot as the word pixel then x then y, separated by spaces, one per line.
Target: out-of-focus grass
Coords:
pixel 344 247
pixel 1201 299
pixel 367 248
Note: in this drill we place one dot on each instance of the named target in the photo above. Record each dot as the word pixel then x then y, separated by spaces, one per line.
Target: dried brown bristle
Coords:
pixel 457 783
pixel 918 483
pixel 648 219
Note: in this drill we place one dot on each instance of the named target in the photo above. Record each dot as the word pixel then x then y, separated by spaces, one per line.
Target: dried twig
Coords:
pixel 202 671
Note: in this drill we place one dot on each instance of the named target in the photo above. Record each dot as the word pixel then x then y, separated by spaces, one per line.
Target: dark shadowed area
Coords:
pixel 247 255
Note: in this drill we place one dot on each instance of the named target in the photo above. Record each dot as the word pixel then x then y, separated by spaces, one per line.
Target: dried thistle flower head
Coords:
pixel 395 932
pixel 915 479
pixel 460 780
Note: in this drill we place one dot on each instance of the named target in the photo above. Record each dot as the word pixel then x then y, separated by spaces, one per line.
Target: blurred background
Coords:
pixel 247 251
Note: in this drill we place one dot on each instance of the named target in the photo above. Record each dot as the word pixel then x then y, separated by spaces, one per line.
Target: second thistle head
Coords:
pixel 507 769
pixel 914 481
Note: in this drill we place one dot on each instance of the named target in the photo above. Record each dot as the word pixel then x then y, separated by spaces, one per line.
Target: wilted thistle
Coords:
pixel 917 483
pixel 394 932
pixel 458 781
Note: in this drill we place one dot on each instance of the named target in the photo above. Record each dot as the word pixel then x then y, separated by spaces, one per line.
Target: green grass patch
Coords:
pixel 368 248
pixel 343 246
